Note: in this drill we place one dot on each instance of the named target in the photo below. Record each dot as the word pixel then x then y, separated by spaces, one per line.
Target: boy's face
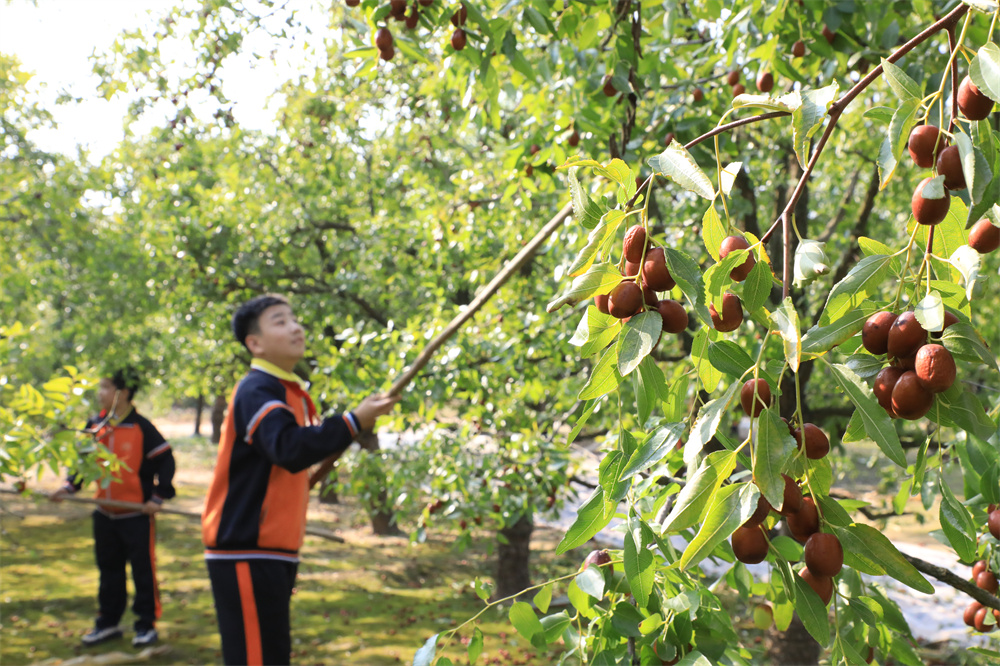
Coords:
pixel 281 339
pixel 106 394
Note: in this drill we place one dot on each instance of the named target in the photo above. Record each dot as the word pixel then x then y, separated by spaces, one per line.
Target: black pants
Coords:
pixel 117 541
pixel 252 598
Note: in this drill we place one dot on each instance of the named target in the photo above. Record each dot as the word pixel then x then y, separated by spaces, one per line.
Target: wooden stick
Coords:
pixel 456 323
pixel 133 506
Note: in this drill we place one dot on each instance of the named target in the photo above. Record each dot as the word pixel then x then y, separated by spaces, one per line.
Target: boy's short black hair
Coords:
pixel 127 378
pixel 245 319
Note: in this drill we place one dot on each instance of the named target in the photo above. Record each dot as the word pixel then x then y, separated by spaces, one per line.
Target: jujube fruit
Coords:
pixel 458 39
pixel 574 139
pixel 875 332
pixel 979 621
pixel 760 513
pixel 935 368
pixel 654 271
pixel 697 95
pixel 805 522
pixel 752 407
pixel 601 301
pixel 608 87
pixel 649 297
pixel 791 501
pixel 972 102
pixel 733 77
pixel 910 400
pixel 905 335
pixel 634 243
pixel 458 18
pixel 925 146
pixel 765 82
pixel 352 3
pixel 993 522
pixel 632 268
pixel 739 89
pixel 383 38
pixel 598 558
pixel 984 237
pixel 732 244
pixel 387 54
pixel 675 317
pixel 828 35
pixel 749 544
pixel 798 49
pixel 987 580
pixel 885 381
pixel 817 444
pixel 949 165
pixel 969 617
pixel 821 585
pixel 625 300
pixel 978 568
pixel 732 313
pixel 929 211
pixel 412 20
pixel 824 555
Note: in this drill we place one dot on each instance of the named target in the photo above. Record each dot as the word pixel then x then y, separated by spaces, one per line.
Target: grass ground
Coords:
pixel 371 601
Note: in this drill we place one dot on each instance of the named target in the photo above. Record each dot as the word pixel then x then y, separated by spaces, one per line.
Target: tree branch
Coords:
pixel 948 578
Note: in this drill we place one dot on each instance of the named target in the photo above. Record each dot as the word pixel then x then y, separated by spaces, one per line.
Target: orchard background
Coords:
pixel 410 165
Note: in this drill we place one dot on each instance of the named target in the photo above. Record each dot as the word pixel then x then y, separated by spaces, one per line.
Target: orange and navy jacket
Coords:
pixel 147 463
pixel 256 504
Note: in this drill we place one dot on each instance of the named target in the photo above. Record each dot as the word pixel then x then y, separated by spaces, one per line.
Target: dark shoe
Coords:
pixel 145 637
pixel 97 636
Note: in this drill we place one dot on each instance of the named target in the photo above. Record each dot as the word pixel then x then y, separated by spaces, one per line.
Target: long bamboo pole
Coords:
pixel 133 506
pixel 428 352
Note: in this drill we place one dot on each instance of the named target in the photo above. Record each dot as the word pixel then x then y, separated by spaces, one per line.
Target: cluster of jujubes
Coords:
pixel 732 307
pixel 824 556
pixel 976 614
pixel 397 11
pixel 929 148
pixel 649 265
pixel 917 371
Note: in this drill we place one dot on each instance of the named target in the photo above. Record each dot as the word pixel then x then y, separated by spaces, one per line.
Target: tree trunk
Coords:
pixel 218 416
pixel 794 646
pixel 383 519
pixel 199 407
pixel 513 568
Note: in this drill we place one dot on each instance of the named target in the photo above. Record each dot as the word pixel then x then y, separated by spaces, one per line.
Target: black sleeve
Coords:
pixel 160 458
pixel 271 426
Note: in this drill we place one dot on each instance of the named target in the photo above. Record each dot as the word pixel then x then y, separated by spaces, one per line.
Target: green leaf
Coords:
pixel 476 645
pixel 692 502
pixel 523 617
pixel 648 384
pixel 957 524
pixel 856 287
pixel 707 423
pixel 587 212
pixel 757 286
pixel 729 510
pixel 658 445
pixel 985 70
pixel 590 520
pixel 930 312
pixel 897 136
pixel 869 543
pixel 975 167
pixel 712 231
pixel 685 272
pixel 637 340
pixel 615 488
pixel 677 164
pixel 425 655
pixel 812 612
pixel 717 280
pixel 786 323
pixel 773 445
pixel 555 625
pixel 639 564
pixel 964 342
pixel 809 117
pixel 961 408
pixel 605 377
pixel 820 339
pixel 989 484
pixel 905 88
pixel 730 358
pixel 599 279
pixel 787 103
pixel 707 372
pixel 878 425
pixel 543 598
pixel 591 581
pixel 595 331
pixel 598 236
